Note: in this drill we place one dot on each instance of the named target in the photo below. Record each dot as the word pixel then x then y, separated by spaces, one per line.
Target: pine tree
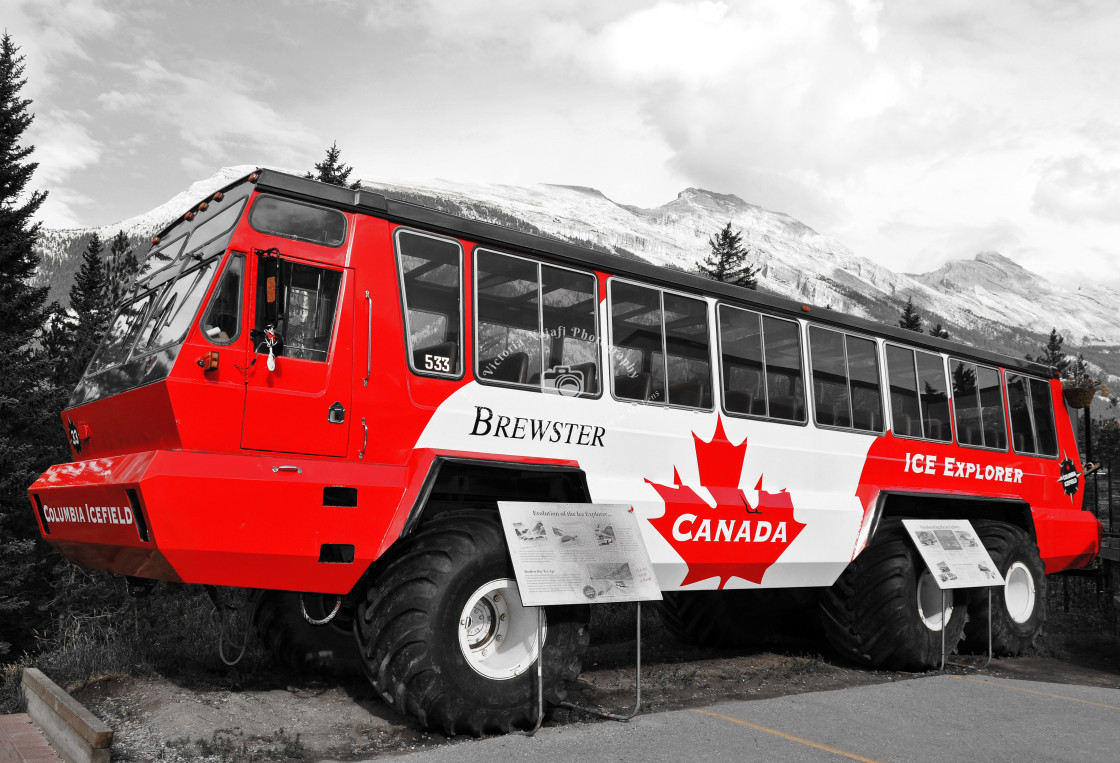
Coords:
pixel 939 331
pixel 30 437
pixel 726 261
pixel 121 269
pixel 333 171
pixel 1053 355
pixel 910 319
pixel 90 299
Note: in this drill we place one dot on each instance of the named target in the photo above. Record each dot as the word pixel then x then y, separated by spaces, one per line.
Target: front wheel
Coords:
pixel 1019 606
pixel 445 638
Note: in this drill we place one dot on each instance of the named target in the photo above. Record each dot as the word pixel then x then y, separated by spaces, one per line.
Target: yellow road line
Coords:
pixel 790 737
pixel 1036 691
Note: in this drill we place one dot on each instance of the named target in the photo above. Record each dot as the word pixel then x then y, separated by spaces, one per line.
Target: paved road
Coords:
pixel 937 718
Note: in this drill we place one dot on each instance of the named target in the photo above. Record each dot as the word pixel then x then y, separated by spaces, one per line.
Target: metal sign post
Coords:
pixel 956 558
pixel 579 553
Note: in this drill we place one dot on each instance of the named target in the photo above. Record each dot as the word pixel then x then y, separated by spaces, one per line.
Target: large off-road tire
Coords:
pixel 325 649
pixel 1019 606
pixel 445 639
pixel 885 609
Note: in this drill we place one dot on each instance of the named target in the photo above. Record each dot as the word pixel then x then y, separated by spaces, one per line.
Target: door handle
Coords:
pixel 369 338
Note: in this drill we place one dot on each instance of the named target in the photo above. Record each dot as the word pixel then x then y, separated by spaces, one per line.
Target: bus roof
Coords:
pixel 408 213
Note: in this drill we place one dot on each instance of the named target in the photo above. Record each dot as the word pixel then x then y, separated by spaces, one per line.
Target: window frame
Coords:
pixel 980 407
pixel 661 291
pixel 880 359
pixel 803 342
pixel 921 406
pixel 405 321
pixel 1030 411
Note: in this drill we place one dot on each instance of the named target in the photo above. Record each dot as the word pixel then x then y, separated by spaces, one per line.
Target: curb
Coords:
pixel 75 733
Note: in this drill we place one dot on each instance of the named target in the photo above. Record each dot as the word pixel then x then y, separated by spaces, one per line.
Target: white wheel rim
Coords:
pixel 1019 593
pixel 929 603
pixel 497 633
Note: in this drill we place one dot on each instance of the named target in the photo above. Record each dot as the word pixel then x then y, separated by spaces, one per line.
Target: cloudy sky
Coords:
pixel 912 131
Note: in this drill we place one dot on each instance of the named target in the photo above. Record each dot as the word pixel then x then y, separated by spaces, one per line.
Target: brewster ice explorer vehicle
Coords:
pixel 323 393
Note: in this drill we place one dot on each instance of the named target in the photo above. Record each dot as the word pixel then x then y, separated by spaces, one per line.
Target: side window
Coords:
pixel 636 336
pixel 536 325
pixel 906 419
pixel 659 350
pixel 222 322
pixel 430 270
pixel 1019 404
pixel 935 397
pixel 306 302
pixel 299 221
pixel 760 362
pixel 978 406
pixel 845 380
pixel 1042 407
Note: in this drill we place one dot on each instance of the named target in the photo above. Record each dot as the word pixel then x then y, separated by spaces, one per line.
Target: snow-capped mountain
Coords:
pixel 988 301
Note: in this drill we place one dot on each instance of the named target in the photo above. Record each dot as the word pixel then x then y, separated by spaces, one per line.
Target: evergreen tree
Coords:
pixel 1053 355
pixel 910 319
pixel 939 331
pixel 90 299
pixel 30 437
pixel 727 260
pixel 121 269
pixel 333 171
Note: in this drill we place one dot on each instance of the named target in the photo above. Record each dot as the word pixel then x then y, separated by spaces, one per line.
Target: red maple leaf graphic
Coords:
pixel 733 539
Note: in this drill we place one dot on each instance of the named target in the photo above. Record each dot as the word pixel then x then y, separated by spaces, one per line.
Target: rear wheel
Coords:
pixel 1019 606
pixel 886 609
pixel 445 638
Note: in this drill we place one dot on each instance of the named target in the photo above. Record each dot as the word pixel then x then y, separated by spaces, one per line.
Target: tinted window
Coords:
pixel 430 277
pixel 978 405
pixel 1046 435
pixel 569 301
pixel 845 380
pixel 760 358
pixel 906 417
pixel 302 222
pixel 222 322
pixel 122 333
pixel 1019 405
pixel 688 369
pixel 169 320
pixel 636 337
pixel 935 397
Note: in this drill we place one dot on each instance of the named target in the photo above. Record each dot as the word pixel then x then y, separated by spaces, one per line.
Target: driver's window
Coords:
pixel 306 300
pixel 222 322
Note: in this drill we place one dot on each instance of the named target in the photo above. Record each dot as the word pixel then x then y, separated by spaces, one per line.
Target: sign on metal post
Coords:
pixel 579 553
pixel 955 558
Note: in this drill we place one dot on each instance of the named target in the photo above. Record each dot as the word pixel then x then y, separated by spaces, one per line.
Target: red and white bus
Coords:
pixel 318 390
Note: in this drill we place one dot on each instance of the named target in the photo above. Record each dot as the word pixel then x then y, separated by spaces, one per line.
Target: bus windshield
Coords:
pixel 144 336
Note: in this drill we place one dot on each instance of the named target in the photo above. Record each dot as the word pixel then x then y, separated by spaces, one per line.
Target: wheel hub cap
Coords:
pixel 497 634
pixel 933 615
pixel 1019 592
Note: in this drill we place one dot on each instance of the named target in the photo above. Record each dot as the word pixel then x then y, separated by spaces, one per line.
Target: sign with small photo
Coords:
pixel 953 552
pixel 577 553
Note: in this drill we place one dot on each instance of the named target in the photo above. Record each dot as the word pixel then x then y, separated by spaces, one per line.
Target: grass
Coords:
pixel 173 632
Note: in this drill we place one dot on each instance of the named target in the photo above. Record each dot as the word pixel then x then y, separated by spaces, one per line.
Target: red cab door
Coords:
pixel 302 404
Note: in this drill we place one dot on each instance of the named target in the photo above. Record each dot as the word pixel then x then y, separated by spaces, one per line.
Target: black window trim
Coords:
pixel 880 357
pixel 539 262
pixel 661 291
pixel 802 336
pixel 1003 406
pixel 397 232
pixel 1034 426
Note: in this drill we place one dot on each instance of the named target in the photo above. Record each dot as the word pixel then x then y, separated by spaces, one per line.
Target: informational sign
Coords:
pixel 577 553
pixel 953 553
